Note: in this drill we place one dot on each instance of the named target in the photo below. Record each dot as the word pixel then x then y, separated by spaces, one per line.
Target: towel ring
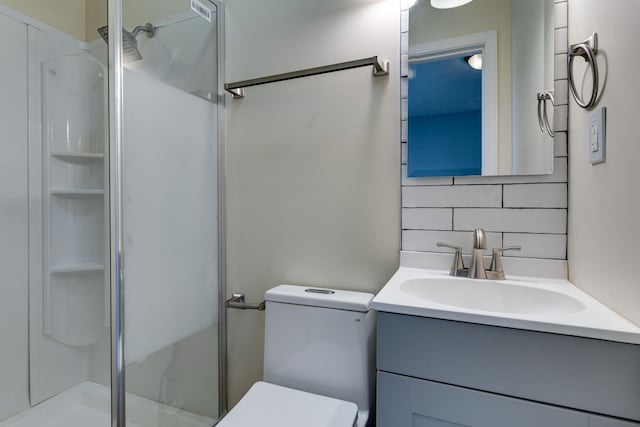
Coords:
pixel 587 50
pixel 543 116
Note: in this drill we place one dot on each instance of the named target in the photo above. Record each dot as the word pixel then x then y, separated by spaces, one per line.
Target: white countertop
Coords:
pixel 593 320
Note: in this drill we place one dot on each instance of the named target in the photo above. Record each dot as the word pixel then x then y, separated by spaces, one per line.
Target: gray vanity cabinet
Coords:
pixel 439 373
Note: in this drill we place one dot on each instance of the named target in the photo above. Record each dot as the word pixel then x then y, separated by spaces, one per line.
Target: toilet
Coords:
pixel 319 366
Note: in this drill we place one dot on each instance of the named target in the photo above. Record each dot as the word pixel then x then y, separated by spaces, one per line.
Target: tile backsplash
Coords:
pixel 530 210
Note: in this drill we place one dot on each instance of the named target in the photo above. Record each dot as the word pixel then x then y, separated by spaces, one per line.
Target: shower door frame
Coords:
pixel 116 236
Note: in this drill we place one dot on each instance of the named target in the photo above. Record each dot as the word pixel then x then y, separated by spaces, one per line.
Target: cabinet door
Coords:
pixel 410 402
pixel 598 421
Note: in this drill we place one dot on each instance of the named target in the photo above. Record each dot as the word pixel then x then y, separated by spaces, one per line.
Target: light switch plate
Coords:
pixel 597 135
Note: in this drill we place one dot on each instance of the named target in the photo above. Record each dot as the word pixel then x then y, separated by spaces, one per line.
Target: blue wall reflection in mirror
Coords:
pixel 445 118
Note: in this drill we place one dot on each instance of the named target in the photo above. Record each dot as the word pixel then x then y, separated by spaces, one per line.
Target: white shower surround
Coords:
pixel 46 367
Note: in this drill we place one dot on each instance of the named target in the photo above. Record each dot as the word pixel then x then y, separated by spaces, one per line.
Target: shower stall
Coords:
pixel 112 249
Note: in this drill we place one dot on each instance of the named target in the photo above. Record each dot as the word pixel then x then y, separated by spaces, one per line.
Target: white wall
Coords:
pixel 604 201
pixel 14 390
pixel 313 165
pixel 64 15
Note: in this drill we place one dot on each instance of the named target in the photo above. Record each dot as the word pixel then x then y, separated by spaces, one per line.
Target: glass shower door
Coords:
pixel 170 246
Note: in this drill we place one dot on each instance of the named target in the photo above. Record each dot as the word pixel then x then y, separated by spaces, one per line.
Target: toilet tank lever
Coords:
pixel 238 301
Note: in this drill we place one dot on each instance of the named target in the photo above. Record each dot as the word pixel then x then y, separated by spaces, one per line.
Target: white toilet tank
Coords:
pixel 321 341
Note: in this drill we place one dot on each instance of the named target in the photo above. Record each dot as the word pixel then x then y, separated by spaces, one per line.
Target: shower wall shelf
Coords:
pixel 76 157
pixel 74 268
pixel 71 192
pixel 75 180
pixel 380 68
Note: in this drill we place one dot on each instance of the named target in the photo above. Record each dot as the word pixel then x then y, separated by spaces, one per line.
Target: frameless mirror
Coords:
pixel 481 88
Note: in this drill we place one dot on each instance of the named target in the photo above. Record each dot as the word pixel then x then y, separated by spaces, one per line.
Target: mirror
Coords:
pixel 480 88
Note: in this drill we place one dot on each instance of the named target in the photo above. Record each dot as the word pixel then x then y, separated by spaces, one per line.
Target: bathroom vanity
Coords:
pixel 457 362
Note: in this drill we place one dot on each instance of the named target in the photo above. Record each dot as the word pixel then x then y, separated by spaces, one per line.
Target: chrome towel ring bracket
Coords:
pixel 543 113
pixel 587 50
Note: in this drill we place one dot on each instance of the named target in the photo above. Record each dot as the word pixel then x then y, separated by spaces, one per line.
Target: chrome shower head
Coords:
pixel 130 49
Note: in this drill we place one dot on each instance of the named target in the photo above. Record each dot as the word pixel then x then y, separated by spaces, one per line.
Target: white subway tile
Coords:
pixel 560 66
pixel 427 218
pixel 512 220
pixel 560 15
pixel 560 116
pixel 404 109
pixel 535 196
pixel 433 180
pixel 550 246
pixel 561 92
pixel 426 241
pixel 404 21
pixel 559 175
pixel 453 196
pixel 560 144
pixel 404 43
pixel 404 87
pixel 404 65
pixel 560 41
pixel 404 129
pixel 536 267
pixel 404 153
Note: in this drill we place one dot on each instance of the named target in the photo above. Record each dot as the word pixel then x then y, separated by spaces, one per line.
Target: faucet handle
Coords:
pixel 449 245
pixel 458 262
pixel 496 259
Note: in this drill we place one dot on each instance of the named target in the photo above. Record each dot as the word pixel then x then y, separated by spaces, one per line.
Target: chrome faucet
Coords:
pixel 476 269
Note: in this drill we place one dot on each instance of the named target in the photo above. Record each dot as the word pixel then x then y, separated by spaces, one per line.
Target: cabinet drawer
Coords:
pixel 411 402
pixel 581 373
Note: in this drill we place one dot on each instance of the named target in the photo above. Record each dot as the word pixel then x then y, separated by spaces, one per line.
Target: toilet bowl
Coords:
pixel 319 367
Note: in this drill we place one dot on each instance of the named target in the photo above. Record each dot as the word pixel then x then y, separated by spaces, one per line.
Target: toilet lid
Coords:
pixel 269 405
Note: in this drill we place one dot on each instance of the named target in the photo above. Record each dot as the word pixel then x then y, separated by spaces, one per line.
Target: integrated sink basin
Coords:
pixel 490 296
pixel 537 304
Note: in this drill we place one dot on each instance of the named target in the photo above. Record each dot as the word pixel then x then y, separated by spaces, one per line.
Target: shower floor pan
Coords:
pixel 88 404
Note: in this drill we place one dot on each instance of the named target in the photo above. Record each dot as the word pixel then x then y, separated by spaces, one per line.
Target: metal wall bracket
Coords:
pixel 380 68
pixel 238 301
pixel 236 93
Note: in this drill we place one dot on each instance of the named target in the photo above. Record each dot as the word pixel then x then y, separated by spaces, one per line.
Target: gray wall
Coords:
pixel 604 201
pixel 313 165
